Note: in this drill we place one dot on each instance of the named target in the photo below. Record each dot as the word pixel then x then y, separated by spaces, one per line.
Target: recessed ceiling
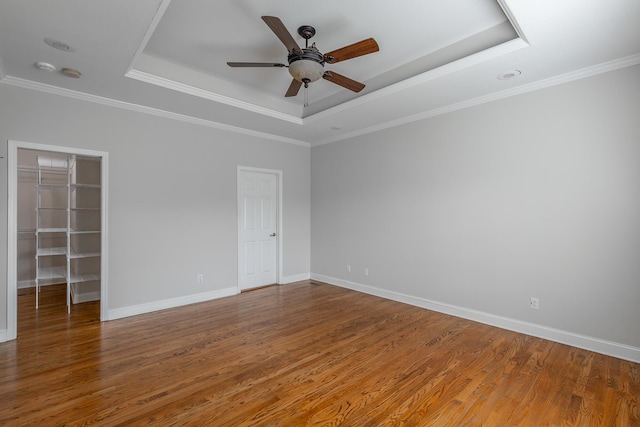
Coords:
pixel 193 40
pixel 168 57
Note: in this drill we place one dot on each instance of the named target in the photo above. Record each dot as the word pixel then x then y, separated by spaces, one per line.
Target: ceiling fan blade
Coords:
pixel 360 48
pixel 294 87
pixel 343 81
pixel 254 64
pixel 282 33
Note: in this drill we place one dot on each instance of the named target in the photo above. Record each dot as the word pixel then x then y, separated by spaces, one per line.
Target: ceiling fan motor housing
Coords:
pixel 308 66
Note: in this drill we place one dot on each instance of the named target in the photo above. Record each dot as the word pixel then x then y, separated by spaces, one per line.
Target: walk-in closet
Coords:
pixel 59 226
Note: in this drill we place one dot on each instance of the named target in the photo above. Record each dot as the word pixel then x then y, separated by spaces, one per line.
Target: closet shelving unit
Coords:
pixel 67 225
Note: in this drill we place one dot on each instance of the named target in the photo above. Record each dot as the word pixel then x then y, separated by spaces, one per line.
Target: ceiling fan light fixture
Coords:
pixel 306 65
pixel 306 70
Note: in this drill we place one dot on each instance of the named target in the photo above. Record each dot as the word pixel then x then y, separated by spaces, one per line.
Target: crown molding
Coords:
pixel 211 96
pixel 162 8
pixel 583 73
pixel 40 87
pixel 512 19
pixel 427 76
pixel 586 72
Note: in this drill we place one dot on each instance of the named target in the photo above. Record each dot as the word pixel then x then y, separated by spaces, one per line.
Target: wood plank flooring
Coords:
pixel 296 355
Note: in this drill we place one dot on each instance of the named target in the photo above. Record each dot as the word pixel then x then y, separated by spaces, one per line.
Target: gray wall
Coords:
pixel 172 204
pixel 532 196
pixel 536 195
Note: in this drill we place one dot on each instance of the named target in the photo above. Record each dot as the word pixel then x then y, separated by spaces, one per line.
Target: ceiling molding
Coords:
pixel 460 64
pixel 605 67
pixel 172 84
pixel 452 67
pixel 553 81
pixel 150 29
pixel 40 87
pixel 512 19
pixel 211 96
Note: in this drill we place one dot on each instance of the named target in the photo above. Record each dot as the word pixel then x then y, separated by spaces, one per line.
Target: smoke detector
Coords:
pixel 45 66
pixel 60 45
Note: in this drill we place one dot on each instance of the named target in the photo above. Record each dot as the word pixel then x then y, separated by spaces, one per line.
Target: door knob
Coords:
pixel 272 235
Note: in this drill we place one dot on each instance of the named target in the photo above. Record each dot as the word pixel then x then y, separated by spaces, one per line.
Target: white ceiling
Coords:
pixel 169 57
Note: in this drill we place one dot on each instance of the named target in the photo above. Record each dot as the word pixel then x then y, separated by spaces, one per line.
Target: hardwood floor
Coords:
pixel 295 355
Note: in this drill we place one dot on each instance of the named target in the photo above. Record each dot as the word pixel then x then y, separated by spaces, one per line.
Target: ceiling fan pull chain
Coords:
pixel 306 96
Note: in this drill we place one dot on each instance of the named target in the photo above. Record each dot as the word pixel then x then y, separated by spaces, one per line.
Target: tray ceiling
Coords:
pixel 193 39
pixel 168 57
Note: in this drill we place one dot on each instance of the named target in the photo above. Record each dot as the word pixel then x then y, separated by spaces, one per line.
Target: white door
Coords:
pixel 257 222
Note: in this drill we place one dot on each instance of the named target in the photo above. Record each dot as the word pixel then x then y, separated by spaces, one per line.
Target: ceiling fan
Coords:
pixel 306 65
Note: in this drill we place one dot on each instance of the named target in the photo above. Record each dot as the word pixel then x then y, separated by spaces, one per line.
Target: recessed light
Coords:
pixel 70 72
pixel 45 66
pixel 60 45
pixel 509 75
pixel 335 128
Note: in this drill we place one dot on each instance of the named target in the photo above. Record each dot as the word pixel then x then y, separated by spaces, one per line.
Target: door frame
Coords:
pixel 12 226
pixel 279 232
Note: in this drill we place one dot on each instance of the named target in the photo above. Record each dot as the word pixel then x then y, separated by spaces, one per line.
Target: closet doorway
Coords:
pixel 56 229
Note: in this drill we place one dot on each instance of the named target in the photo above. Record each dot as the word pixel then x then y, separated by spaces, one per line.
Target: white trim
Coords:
pixel 156 80
pixel 12 226
pixel 150 30
pixel 468 61
pixel 211 96
pixel 81 96
pixel 104 249
pixel 294 278
pixel 4 335
pixel 541 84
pixel 512 19
pixel 279 232
pixel 78 298
pixel 12 242
pixel 617 64
pixel 133 310
pixel 427 76
pixel 26 284
pixel 597 345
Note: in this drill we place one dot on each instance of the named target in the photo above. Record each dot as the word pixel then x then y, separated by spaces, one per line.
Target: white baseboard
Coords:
pixel 78 298
pixel 294 278
pixel 25 284
pixel 118 313
pixel 597 345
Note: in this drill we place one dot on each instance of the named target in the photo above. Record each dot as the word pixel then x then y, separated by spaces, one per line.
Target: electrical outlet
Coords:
pixel 535 303
pixel 348 268
pixel 366 271
pixel 200 278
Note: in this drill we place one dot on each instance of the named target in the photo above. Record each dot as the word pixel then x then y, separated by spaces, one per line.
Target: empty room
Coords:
pixel 283 213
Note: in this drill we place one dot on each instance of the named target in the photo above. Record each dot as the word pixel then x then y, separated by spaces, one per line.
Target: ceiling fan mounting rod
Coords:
pixel 306 32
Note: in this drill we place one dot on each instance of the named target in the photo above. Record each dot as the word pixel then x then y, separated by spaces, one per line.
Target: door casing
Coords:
pixel 12 227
